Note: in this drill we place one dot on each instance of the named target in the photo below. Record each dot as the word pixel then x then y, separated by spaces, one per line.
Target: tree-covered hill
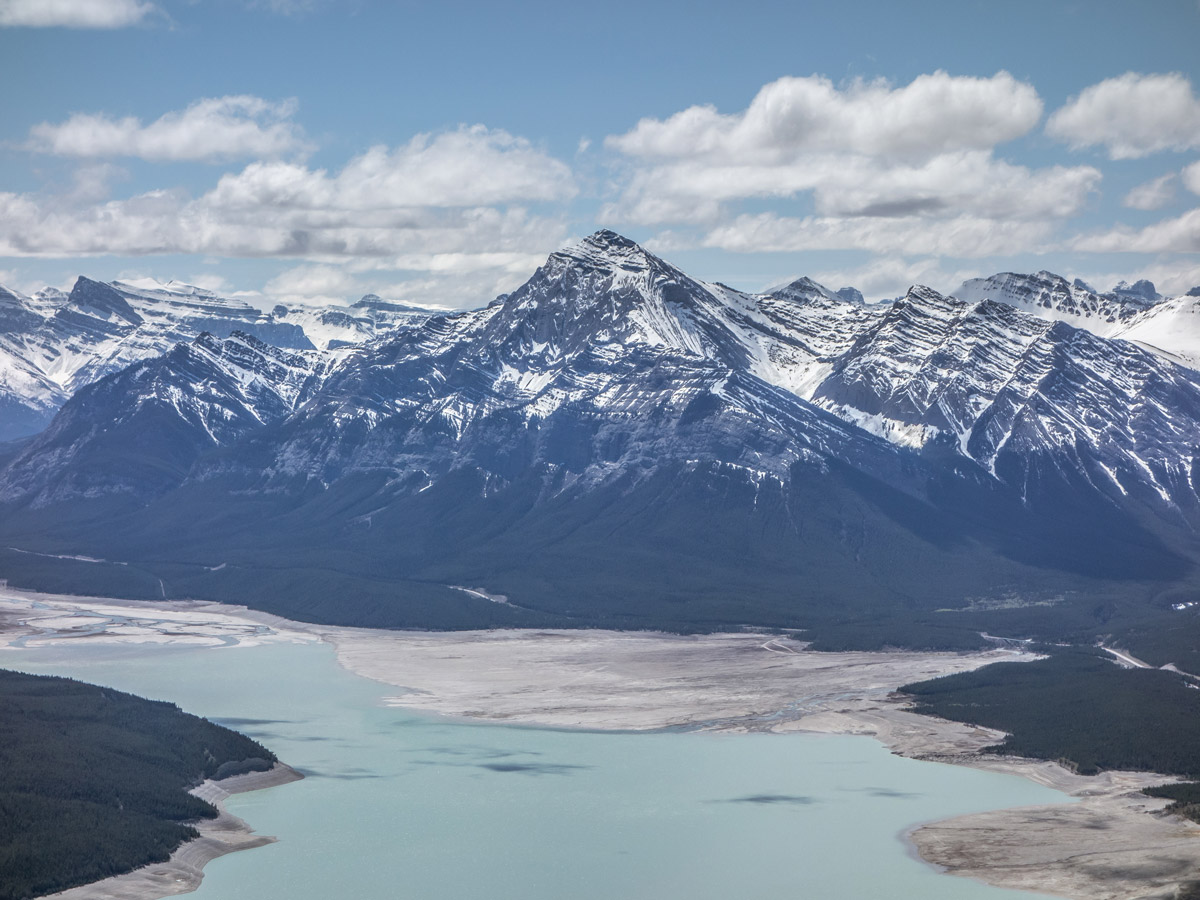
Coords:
pixel 94 782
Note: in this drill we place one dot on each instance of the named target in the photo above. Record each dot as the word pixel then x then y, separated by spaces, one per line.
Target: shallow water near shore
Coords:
pixel 398 804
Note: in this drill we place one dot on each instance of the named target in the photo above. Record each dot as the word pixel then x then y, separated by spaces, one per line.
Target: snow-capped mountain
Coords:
pixel 1166 326
pixel 332 327
pixel 52 344
pixel 605 332
pixel 1010 391
pixel 615 441
pixel 1053 297
pixel 1170 329
pixel 171 408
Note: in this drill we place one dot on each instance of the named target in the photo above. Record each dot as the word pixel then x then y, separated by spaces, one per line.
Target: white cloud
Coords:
pixel 964 182
pixel 934 114
pixel 446 286
pixel 308 282
pixel 468 167
pixel 92 183
pixel 1191 178
pixel 1180 234
pixel 1153 194
pixel 1131 116
pixel 962 236
pixel 210 129
pixel 452 204
pixel 889 276
pixel 897 169
pixel 74 13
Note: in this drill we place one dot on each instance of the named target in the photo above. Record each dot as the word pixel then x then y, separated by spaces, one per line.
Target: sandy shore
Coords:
pixel 183 872
pixel 1113 843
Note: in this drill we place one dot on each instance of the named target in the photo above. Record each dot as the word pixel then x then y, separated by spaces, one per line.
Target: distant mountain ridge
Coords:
pixel 1168 326
pixel 52 344
pixel 618 443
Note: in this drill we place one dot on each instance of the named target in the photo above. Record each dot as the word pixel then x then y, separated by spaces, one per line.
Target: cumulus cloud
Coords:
pixel 934 114
pixel 886 165
pixel 1131 116
pixel 1153 194
pixel 1180 234
pixel 211 129
pixel 453 203
pixel 1191 178
pixel 469 167
pixel 311 282
pixel 889 276
pixel 74 13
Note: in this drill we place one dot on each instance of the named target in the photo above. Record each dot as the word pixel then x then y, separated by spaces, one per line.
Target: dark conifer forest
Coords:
pixel 94 782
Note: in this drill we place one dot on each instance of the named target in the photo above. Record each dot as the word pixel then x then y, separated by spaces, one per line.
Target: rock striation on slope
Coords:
pixel 615 442
pixel 54 343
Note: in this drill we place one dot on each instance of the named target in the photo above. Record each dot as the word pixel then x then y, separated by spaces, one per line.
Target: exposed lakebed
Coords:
pixel 408 804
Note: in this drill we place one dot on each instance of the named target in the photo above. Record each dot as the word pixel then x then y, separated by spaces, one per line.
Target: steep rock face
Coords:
pixel 1051 296
pixel 1168 327
pixel 604 361
pixel 1010 390
pixel 53 344
pixel 141 429
pixel 614 436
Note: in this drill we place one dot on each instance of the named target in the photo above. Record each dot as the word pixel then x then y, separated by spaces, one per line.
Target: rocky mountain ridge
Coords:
pixel 53 343
pixel 614 436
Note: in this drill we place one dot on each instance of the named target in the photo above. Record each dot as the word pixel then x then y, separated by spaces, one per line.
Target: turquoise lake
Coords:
pixel 403 805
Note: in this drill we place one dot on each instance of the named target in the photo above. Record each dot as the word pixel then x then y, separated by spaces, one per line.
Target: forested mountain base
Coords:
pixel 94 781
pixel 1081 709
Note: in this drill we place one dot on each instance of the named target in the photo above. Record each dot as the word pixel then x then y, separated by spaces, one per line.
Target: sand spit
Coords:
pixel 1112 844
pixel 183 872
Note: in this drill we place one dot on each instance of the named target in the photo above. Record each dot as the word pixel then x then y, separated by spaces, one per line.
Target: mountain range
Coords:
pixel 53 343
pixel 616 443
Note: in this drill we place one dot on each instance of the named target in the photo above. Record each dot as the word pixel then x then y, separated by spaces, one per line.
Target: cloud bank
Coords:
pixel 74 13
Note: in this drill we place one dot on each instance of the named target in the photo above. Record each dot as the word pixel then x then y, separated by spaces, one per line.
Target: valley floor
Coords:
pixel 1112 844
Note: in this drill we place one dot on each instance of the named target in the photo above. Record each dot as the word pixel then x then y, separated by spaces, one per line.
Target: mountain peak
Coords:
pixel 102 298
pixel 1142 291
pixel 608 250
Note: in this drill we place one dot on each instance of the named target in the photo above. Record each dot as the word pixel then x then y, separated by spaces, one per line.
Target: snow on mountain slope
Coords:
pixel 1051 296
pixel 617 431
pixel 603 332
pixel 989 381
pixel 197 396
pixel 330 327
pixel 607 334
pixel 53 343
pixel 1170 328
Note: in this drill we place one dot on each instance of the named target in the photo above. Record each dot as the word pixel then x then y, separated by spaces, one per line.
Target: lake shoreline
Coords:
pixel 1111 844
pixel 183 872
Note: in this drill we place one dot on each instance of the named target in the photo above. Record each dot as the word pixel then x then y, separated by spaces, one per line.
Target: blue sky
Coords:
pixel 312 149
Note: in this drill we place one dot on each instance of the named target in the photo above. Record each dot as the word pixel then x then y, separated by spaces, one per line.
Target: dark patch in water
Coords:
pixel 890 793
pixel 532 768
pixel 478 752
pixel 348 775
pixel 796 799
